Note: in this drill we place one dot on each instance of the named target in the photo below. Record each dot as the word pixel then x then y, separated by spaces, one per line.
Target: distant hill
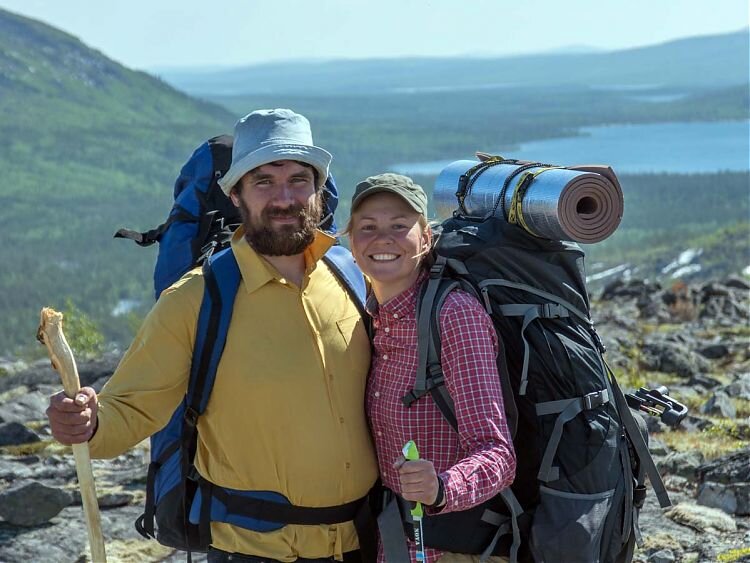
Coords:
pixel 88 146
pixel 711 61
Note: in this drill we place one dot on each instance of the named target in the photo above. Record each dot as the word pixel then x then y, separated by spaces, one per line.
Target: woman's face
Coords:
pixel 388 243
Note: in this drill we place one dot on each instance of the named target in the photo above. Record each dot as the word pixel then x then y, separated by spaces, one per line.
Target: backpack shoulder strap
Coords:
pixel 429 377
pixel 222 278
pixel 342 264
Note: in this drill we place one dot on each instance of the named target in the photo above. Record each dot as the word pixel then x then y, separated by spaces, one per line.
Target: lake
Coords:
pixel 655 147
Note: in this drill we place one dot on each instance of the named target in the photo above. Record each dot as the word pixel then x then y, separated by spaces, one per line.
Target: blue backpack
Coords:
pixel 175 494
pixel 203 218
pixel 198 231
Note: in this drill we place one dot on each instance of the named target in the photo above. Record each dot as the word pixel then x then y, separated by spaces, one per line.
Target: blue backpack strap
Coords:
pixel 330 202
pixel 222 278
pixel 341 262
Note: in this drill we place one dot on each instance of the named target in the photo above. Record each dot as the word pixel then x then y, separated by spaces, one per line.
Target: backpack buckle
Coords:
pixel 412 397
pixel 191 417
pixel 436 270
pixel 595 399
pixel 597 339
pixel 639 496
pixel 553 311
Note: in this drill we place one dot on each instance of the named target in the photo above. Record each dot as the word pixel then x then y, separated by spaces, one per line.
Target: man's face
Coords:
pixel 280 207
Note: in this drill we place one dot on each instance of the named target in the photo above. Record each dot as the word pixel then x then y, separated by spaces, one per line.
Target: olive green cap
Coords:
pixel 400 185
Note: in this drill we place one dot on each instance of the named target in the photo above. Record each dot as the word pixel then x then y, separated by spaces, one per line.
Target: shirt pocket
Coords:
pixel 348 326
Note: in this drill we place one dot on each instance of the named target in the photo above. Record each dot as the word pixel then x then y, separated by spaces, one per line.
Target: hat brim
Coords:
pixel 318 158
pixel 380 189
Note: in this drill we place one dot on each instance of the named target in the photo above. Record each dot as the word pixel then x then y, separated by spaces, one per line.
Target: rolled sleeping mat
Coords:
pixel 582 203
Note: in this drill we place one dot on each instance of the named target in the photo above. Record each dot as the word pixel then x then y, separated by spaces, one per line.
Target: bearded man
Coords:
pixel 286 411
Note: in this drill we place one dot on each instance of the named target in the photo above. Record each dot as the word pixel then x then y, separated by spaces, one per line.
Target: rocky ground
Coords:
pixel 693 339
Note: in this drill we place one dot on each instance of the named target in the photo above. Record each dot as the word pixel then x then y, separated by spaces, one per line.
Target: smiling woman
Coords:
pixel 391 240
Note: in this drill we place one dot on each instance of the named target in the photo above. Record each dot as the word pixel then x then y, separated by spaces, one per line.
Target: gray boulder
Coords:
pixel 740 388
pixel 714 351
pixel 719 405
pixel 662 556
pixel 32 503
pixel 733 498
pixel 672 357
pixel 24 407
pixel 684 464
pixel 15 433
pixel 730 468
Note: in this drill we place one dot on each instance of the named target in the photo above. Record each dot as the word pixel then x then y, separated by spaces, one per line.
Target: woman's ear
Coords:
pixel 426 240
pixel 428 236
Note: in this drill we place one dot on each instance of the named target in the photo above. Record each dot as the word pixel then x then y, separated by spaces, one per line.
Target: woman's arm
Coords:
pixel 468 356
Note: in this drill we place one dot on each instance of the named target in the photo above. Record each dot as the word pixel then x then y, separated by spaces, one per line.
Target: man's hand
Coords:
pixel 73 421
pixel 419 481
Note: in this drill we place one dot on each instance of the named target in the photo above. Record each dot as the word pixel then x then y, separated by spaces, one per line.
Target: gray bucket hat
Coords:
pixel 268 135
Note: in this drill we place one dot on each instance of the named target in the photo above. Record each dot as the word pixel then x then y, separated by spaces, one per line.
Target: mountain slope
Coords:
pixel 88 146
pixel 711 62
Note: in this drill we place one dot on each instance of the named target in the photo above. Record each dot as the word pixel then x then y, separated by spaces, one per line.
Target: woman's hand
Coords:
pixel 419 480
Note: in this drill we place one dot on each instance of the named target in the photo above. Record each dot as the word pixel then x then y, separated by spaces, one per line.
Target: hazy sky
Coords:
pixel 157 33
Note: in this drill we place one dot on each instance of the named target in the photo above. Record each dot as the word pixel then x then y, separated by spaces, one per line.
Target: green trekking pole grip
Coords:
pixel 411 453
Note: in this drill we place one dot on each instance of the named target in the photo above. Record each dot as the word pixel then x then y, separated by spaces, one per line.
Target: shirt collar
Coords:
pixel 400 306
pixel 257 271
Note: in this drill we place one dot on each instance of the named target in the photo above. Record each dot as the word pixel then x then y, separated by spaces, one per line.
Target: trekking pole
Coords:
pixel 417 513
pixel 50 333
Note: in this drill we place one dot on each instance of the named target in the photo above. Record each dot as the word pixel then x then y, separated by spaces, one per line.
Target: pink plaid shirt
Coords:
pixel 477 462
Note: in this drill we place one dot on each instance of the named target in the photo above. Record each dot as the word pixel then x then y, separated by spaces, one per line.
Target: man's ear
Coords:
pixel 234 194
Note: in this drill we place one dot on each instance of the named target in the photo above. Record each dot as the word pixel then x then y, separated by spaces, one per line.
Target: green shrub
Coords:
pixel 83 334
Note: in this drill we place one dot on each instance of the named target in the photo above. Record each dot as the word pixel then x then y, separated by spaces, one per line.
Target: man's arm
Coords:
pixel 147 386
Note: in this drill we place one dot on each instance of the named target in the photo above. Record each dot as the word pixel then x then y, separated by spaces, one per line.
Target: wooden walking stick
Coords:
pixel 50 333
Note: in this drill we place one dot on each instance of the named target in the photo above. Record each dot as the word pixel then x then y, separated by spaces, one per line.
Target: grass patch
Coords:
pixel 631 377
pixel 742 406
pixel 722 438
pixel 33 448
pixel 13 393
pixel 734 555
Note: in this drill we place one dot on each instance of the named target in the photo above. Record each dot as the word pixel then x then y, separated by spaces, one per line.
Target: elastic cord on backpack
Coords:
pixel 515 214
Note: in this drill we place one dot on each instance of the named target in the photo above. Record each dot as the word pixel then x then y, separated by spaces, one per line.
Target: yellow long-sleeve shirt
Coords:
pixel 287 409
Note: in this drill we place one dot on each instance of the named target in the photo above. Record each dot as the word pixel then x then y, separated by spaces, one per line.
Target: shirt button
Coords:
pixel 330 376
pixel 379 433
pixel 395 315
pixel 348 465
pixel 387 330
pixel 341 419
pixel 385 356
pixel 377 394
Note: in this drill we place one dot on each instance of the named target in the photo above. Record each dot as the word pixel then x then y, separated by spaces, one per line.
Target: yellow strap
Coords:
pixel 515 214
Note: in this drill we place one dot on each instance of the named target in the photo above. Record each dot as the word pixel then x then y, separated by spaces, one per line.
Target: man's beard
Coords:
pixel 283 240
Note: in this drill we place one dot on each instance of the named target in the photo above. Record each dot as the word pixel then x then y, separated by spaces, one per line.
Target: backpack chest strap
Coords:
pixel 531 312
pixel 568 409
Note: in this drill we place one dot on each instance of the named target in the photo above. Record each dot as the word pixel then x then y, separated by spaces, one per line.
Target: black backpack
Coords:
pixel 582 456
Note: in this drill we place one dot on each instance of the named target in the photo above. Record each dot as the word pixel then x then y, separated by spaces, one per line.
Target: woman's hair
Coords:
pixel 428 255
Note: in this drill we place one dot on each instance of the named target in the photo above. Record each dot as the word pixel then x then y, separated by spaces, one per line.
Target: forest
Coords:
pixel 91 146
